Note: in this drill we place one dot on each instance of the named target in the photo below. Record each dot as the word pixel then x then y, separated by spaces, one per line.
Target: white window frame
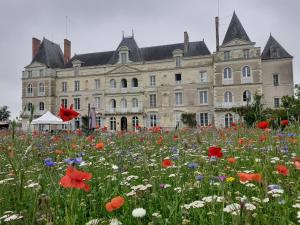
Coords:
pixel 97 102
pixel 203 119
pixel 29 90
pixel 64 101
pixel 135 122
pixel 135 103
pixel 202 95
pixel 112 83
pixel 124 57
pixel 42 104
pixel 275 103
pixel 227 97
pixel 152 101
pixel 226 55
pixel 177 120
pixel 112 105
pixel 113 123
pixel 246 53
pixel 203 77
pixel 153 119
pixel 41 89
pixel 152 80
pixel 123 105
pixel 178 98
pixel 228 120
pixel 77 103
pixel 247 97
pixel 97 84
pixel 275 84
pixel 178 61
pixel 226 72
pixel 76 85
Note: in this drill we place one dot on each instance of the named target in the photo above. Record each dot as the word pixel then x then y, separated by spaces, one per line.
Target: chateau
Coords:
pixel 151 86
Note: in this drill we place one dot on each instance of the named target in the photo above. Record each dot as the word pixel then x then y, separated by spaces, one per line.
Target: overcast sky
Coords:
pixel 97 25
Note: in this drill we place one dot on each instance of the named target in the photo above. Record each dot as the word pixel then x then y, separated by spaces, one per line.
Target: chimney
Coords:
pixel 67 50
pixel 217 33
pixel 186 42
pixel 35 46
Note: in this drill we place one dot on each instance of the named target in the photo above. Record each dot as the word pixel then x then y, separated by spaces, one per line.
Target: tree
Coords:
pixel 4 113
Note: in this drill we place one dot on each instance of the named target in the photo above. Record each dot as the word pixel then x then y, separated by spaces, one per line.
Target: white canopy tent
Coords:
pixel 47 119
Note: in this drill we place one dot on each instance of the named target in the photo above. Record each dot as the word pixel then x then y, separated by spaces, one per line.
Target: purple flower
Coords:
pixel 162 186
pixel 199 177
pixel 221 178
pixel 49 162
pixel 192 165
pixel 71 161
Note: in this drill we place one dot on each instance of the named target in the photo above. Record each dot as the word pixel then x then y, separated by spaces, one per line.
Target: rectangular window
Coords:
pixel 276 102
pixel 178 98
pixel 76 103
pixel 203 119
pixel 97 84
pixel 64 86
pixel 97 102
pixel 152 81
pixel 178 78
pixel 98 121
pixel 275 79
pixel 29 74
pixel 227 55
pixel 77 123
pixel 178 120
pixel 246 54
pixel 152 99
pixel 203 97
pixel 153 120
pixel 64 102
pixel 76 85
pixel 203 77
pixel 124 58
pixel 178 61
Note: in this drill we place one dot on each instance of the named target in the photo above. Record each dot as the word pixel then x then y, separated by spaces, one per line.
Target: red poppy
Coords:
pixel 67 114
pixel 175 137
pixel 245 177
pixel 215 151
pixel 114 204
pixel 104 129
pixel 100 145
pixel 283 170
pixel 234 126
pixel 263 125
pixel 166 163
pixel 284 122
pixel 231 160
pixel 75 179
pixel 160 140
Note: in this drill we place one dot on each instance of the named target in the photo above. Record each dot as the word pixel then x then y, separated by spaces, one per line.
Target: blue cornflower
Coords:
pixel 192 165
pixel 71 161
pixel 274 186
pixel 175 157
pixel 174 150
pixel 199 177
pixel 49 162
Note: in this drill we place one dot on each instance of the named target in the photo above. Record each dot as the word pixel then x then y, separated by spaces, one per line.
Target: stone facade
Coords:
pixel 153 86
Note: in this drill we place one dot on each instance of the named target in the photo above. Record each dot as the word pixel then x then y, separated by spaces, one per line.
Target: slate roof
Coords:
pixel 235 31
pixel 272 43
pixel 134 51
pixel 50 54
pixel 137 54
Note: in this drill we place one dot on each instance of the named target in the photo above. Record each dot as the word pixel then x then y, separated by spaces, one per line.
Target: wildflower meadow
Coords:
pixel 197 176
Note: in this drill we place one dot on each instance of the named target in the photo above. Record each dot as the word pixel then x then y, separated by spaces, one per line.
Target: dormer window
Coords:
pixel 178 61
pixel 274 52
pixel 123 55
pixel 177 54
pixel 76 66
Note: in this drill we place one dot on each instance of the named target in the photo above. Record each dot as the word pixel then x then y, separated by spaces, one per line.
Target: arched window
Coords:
pixel 246 71
pixel 135 103
pixel 112 83
pixel 113 123
pixel 29 88
pixel 123 104
pixel 246 96
pixel 42 106
pixel 29 106
pixel 134 82
pixel 228 120
pixel 41 88
pixel 135 122
pixel 227 97
pixel 123 83
pixel 113 105
pixel 227 73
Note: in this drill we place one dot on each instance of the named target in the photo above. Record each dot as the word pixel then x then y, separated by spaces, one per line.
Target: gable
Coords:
pixel 35 65
pixel 236 42
pixel 123 69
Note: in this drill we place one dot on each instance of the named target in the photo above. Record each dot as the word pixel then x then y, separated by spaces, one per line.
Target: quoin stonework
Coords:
pixel 153 86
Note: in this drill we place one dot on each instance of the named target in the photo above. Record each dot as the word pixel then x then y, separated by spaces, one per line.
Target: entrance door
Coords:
pixel 124 124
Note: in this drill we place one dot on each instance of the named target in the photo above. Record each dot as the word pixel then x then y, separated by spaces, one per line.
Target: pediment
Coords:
pixel 236 42
pixel 35 65
pixel 123 69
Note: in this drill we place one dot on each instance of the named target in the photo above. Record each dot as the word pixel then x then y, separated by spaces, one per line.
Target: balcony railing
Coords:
pixel 124 110
pixel 227 105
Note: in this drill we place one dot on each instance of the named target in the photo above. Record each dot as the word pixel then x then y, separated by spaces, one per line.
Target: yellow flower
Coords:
pixel 230 179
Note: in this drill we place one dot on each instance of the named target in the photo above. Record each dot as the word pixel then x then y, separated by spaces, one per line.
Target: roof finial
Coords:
pixel 122 34
pixel 132 33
